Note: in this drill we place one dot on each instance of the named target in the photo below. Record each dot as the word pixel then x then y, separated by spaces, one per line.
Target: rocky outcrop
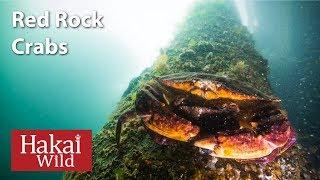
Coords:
pixel 212 40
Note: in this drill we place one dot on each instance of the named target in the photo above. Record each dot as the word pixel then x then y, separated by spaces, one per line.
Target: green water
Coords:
pixel 79 90
pixel 75 91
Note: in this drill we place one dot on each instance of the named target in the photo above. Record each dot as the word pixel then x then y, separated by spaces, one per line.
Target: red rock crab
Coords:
pixel 218 114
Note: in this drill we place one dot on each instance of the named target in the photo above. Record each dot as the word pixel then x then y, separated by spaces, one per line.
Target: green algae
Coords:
pixel 212 40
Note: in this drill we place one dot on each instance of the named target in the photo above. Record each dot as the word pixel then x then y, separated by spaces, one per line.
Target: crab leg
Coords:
pixel 122 119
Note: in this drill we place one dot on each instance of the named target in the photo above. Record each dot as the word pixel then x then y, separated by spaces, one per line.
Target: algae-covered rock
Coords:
pixel 212 40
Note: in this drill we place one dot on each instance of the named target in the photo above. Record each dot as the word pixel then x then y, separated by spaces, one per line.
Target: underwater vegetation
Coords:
pixel 211 41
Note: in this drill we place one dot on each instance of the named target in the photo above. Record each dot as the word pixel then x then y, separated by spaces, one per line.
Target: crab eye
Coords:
pixel 205 151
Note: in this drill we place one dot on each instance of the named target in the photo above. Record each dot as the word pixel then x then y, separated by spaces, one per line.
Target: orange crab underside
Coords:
pixel 235 146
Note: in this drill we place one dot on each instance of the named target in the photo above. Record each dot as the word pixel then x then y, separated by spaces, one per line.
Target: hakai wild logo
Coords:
pixel 51 150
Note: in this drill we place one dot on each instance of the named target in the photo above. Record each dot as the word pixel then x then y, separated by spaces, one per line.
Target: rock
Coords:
pixel 188 55
pixel 231 54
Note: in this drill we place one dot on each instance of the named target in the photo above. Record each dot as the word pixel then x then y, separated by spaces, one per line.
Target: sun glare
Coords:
pixel 145 26
pixel 246 14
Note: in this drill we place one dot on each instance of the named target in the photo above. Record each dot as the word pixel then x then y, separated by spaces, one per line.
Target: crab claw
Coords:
pixel 171 126
pixel 246 146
